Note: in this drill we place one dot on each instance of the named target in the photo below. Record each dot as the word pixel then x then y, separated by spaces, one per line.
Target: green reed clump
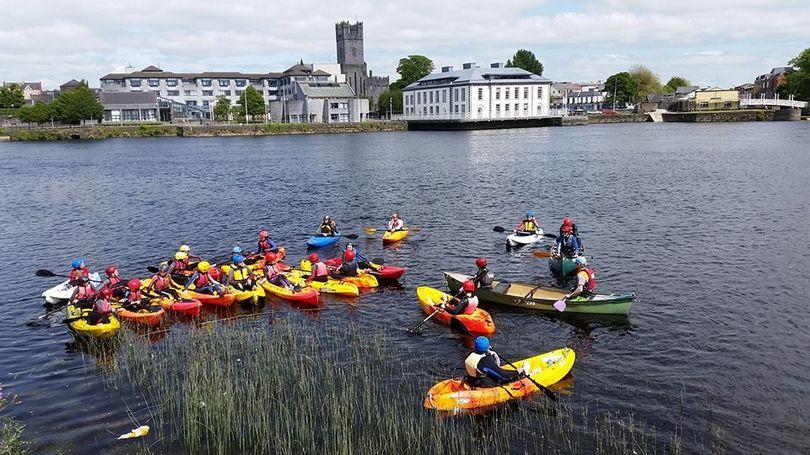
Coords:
pixel 299 387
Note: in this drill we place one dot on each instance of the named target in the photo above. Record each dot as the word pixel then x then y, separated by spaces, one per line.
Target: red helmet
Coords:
pixel 111 270
pixel 313 257
pixel 566 229
pixel 468 286
pixel 106 293
pixel 270 257
pixel 567 221
pixel 263 234
pixel 481 262
pixel 349 255
pixel 215 273
pixel 134 284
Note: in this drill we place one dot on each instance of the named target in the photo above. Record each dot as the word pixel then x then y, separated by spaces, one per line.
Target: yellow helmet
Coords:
pixel 226 268
pixel 180 256
pixel 184 248
pixel 203 266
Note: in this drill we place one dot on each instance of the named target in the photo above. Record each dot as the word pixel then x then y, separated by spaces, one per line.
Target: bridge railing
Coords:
pixel 775 101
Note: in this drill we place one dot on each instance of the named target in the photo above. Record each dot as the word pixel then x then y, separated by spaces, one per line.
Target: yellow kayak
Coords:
pixel 394 237
pixel 363 280
pixel 331 286
pixel 251 296
pixel 546 369
pixel 99 331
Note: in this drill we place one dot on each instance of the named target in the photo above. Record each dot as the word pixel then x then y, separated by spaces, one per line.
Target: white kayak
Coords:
pixel 61 292
pixel 523 238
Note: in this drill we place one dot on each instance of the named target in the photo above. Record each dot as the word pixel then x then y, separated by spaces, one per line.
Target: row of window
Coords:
pixel 339 106
pixel 507 110
pixel 172 82
pixel 131 115
pixel 432 96
pixel 585 99
pixel 209 92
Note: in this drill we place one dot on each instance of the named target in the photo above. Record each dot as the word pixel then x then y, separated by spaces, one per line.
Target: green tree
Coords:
pixel 623 86
pixel 525 59
pixel 411 69
pixel 388 99
pixel 798 82
pixel 38 113
pixel 26 114
pixel 222 108
pixel 11 96
pixel 255 102
pixel 647 82
pixel 675 82
pixel 76 105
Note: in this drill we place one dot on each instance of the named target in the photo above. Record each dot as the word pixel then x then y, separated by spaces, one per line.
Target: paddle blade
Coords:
pixel 43 272
pixel 378 261
pixel 549 235
pixel 369 230
pixel 498 229
pixel 541 254
pixel 352 236
pixel 415 229
pixel 152 269
pixel 559 305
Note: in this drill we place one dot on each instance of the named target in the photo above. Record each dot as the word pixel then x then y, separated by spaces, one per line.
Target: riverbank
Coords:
pixel 97 132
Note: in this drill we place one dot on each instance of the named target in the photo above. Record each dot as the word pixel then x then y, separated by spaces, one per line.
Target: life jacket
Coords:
pixel 102 307
pixel 487 279
pixel 472 304
pixel 160 282
pixel 134 296
pixel 85 292
pixel 529 226
pixel 395 225
pixel 241 273
pixel 202 280
pixel 271 270
pixel 590 285
pixel 349 268
pixel 76 273
pixel 319 269
pixel 264 245
pixel 113 280
pixel 179 266
pixel 567 245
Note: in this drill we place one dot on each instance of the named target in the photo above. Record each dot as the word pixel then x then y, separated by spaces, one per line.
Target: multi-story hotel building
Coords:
pixel 475 93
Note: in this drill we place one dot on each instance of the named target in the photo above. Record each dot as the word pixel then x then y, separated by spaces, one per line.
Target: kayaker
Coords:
pixel 162 283
pixel 465 302
pixel 328 226
pixel 179 264
pixel 240 275
pixel 78 269
pixel 529 224
pixel 281 254
pixel 567 244
pixel 483 278
pixel 84 294
pixel 187 249
pixel 396 223
pixel 133 298
pixel 273 273
pixel 265 242
pixel 317 269
pixel 113 278
pixel 484 367
pixel 586 281
pixel 348 267
pixel 101 308
pixel 203 281
pixel 567 221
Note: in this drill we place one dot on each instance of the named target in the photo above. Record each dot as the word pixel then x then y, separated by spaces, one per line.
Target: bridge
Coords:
pixel 772 102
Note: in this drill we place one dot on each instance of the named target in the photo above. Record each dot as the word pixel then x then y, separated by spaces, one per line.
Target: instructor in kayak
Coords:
pixel 586 282
pixel 465 302
pixel 396 223
pixel 529 224
pixel 328 227
pixel 484 367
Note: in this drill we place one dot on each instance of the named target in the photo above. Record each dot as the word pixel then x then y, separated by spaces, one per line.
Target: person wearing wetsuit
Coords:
pixel 484 367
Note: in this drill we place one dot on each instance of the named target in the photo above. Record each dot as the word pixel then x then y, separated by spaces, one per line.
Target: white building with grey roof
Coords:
pixel 475 93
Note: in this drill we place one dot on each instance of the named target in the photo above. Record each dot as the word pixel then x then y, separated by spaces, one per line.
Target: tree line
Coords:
pixel 70 107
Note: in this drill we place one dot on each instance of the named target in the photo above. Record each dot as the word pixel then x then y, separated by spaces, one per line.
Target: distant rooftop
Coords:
pixel 155 72
pixel 472 73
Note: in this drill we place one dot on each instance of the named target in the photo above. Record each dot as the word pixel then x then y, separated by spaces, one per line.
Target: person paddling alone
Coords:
pixel 484 367
pixel 586 282
pixel 78 269
pixel 529 225
pixel 395 223
pixel 465 302
pixel 328 227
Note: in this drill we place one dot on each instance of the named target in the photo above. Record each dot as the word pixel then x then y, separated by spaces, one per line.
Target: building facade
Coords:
pixel 132 107
pixel 309 95
pixel 197 91
pixel 716 99
pixel 474 93
pixel 351 58
pixel 30 90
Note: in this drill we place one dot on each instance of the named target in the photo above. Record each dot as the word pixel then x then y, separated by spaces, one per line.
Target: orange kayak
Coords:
pixel 479 322
pixel 211 299
pixel 145 317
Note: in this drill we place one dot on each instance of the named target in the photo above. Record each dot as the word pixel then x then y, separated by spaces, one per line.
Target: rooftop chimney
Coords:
pixel 469 65
pixel 447 69
pixel 496 65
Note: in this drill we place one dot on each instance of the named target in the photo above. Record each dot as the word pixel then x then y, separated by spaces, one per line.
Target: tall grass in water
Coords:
pixel 299 387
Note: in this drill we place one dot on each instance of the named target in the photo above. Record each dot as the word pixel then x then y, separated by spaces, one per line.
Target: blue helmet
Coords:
pixel 581 260
pixel 481 345
pixel 237 250
pixel 77 263
pixel 529 214
pixel 238 258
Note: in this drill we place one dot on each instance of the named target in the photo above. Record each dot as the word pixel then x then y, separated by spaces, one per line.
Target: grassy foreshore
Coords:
pixel 299 387
pixel 192 130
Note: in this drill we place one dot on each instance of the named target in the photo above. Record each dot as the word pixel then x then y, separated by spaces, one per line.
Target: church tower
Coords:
pixel 349 39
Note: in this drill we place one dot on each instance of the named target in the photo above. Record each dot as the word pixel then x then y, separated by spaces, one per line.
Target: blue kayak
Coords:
pixel 318 241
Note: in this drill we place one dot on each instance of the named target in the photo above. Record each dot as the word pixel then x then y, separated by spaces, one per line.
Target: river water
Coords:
pixel 707 223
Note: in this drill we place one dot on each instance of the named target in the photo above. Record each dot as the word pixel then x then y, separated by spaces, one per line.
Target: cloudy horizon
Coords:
pixel 721 43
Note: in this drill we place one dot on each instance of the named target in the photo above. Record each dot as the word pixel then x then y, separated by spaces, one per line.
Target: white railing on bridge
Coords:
pixel 775 101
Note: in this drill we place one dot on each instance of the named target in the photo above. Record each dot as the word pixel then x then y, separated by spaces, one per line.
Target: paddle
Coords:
pixel 371 230
pixel 48 273
pixel 542 254
pixel 559 305
pixel 545 389
pixel 499 229
pixel 413 329
pixel 34 321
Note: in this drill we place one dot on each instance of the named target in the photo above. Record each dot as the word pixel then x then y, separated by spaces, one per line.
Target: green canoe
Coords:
pixel 562 266
pixel 527 295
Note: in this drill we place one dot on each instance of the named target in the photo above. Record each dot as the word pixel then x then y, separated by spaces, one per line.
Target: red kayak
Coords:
pixel 383 272
pixel 187 307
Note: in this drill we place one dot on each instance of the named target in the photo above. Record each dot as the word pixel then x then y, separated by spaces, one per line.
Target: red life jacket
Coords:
pixel 160 282
pixel 134 296
pixel 271 270
pixel 113 280
pixel 319 269
pixel 202 280
pixel 264 245
pixel 102 306
pixel 472 304
pixel 76 273
pixel 85 292
pixel 590 285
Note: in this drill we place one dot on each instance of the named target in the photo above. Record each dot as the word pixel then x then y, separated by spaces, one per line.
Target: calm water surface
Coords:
pixel 707 223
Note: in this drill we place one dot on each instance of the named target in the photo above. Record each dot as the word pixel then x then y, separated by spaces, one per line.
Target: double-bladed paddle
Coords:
pixel 526 375
pixel 48 273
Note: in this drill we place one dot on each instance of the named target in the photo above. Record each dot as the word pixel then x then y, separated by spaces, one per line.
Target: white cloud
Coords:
pixel 58 40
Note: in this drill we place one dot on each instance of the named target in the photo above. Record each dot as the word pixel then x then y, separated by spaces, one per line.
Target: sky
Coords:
pixel 709 42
